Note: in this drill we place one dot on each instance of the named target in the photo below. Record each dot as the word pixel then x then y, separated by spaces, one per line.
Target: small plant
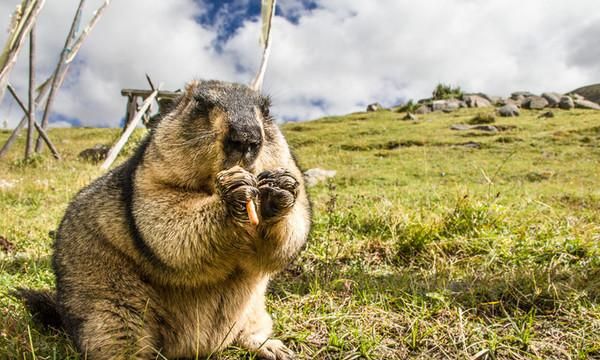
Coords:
pixel 443 91
pixel 410 107
pixel 482 118
pixel 34 161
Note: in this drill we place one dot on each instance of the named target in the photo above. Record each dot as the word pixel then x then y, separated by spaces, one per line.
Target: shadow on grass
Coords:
pixel 525 288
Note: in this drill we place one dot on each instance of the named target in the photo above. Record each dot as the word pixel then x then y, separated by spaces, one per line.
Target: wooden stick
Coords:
pixel 29 13
pixel 13 137
pixel 150 82
pixel 84 34
pixel 266 37
pixel 57 70
pixel 43 134
pixel 114 151
pixel 31 100
pixel 42 90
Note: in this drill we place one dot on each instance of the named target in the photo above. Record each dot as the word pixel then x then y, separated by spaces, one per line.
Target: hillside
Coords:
pixel 429 242
pixel 590 92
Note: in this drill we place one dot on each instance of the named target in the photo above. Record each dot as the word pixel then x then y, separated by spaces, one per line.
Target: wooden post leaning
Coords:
pixel 42 132
pixel 114 151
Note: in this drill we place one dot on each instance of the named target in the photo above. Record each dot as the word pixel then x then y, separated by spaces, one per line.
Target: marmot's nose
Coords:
pixel 244 139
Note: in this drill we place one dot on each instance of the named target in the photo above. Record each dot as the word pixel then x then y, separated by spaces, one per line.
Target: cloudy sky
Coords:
pixel 329 56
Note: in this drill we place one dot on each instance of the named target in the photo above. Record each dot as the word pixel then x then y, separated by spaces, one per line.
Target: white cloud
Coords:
pixel 334 59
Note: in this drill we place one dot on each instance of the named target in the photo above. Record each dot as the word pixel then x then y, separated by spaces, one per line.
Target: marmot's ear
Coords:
pixel 191 86
pixel 265 106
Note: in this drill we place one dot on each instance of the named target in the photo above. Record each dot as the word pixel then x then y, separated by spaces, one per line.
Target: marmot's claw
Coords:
pixel 236 186
pixel 278 191
pixel 279 178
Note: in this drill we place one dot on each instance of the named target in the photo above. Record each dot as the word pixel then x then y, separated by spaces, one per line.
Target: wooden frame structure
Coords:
pixel 133 97
pixel 53 83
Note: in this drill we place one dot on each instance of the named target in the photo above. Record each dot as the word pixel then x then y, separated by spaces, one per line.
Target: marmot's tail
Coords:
pixel 42 305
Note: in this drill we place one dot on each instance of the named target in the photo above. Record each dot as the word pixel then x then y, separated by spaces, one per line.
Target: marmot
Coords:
pixel 159 256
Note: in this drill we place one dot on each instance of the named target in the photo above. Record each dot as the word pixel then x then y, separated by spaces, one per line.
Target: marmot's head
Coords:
pixel 212 126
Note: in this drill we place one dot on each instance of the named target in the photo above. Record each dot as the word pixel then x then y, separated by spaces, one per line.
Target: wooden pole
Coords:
pixel 131 110
pixel 268 15
pixel 59 65
pixel 31 100
pixel 84 34
pixel 43 133
pixel 42 90
pixel 114 151
pixel 24 20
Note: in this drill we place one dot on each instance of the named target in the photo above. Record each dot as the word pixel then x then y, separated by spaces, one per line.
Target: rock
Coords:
pixel 548 114
pixel 423 109
pixel 444 105
pixel 552 98
pixel 6 184
pixel 476 101
pixel 509 110
pixel 577 97
pixel 438 105
pixel 317 175
pixel 463 127
pixel 460 127
pixel 454 104
pixel 521 95
pixel 374 107
pixel 410 116
pixel 94 154
pixel 488 128
pixel 472 145
pixel 494 100
pixel 586 104
pixel 503 102
pixel 5 245
pixel 566 103
pixel 535 103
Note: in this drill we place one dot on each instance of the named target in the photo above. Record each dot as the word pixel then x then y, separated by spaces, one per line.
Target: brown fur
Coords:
pixel 156 255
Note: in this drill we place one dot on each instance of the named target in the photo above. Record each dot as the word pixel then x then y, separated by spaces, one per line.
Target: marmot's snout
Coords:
pixel 243 142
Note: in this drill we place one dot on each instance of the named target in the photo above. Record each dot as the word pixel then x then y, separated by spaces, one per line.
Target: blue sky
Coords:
pixel 329 56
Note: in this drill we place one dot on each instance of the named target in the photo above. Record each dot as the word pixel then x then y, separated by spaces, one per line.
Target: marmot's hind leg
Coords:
pixel 117 331
pixel 109 311
pixel 256 336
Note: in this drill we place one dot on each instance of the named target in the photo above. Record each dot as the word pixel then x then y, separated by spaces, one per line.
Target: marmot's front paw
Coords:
pixel 278 191
pixel 236 186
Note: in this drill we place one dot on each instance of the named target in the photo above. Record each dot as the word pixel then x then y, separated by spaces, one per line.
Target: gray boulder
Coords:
pixel 460 127
pixel 438 105
pixel 548 114
pixel 374 107
pixel 509 110
pixel 577 97
pixel 476 101
pixel 566 103
pixel 94 154
pixel 552 98
pixel 521 95
pixel 444 105
pixel 423 109
pixel 503 102
pixel 494 100
pixel 465 127
pixel 535 103
pixel 316 175
pixel 586 104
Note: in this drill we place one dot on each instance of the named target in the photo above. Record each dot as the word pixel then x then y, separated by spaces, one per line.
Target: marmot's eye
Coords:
pixel 202 104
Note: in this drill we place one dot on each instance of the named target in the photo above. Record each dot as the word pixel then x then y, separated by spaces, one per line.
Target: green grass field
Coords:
pixel 423 247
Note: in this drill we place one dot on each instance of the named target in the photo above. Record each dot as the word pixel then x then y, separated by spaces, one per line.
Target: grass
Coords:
pixel 422 247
